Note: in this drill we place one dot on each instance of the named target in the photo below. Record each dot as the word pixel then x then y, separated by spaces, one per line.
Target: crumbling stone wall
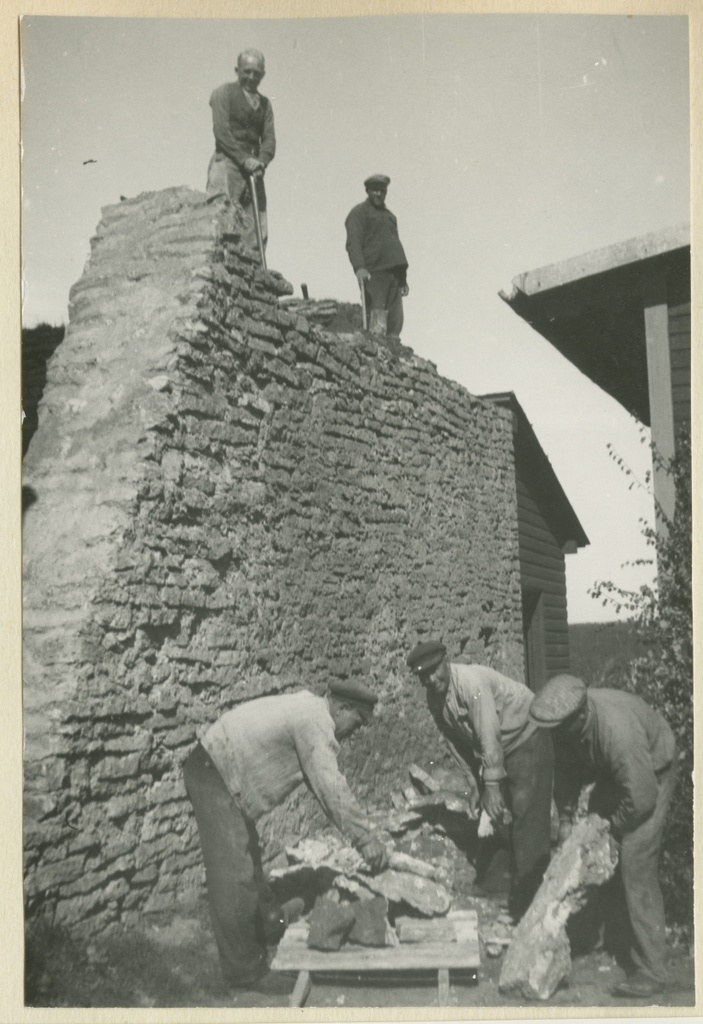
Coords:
pixel 231 502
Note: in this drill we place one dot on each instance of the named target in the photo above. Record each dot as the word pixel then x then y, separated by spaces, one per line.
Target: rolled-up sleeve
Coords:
pixel 317 751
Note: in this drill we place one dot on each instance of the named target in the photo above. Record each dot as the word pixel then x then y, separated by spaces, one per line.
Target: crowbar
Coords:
pixel 364 316
pixel 257 219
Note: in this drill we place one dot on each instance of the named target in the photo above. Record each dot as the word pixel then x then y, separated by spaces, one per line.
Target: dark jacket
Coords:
pixel 240 131
pixel 624 744
pixel 372 239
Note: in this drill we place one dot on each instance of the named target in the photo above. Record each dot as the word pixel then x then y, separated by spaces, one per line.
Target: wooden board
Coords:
pixel 293 953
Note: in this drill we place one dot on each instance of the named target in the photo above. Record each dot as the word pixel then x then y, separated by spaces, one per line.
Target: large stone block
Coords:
pixel 539 956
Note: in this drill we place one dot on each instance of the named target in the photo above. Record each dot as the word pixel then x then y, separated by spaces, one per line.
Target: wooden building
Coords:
pixel 622 315
pixel 548 530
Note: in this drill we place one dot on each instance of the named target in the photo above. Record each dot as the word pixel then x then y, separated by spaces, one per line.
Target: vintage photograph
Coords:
pixel 356 512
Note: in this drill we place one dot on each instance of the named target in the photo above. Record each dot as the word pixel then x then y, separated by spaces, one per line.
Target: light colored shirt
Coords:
pixel 266 747
pixel 487 711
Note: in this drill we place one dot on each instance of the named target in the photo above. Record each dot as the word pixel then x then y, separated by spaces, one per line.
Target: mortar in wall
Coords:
pixel 231 501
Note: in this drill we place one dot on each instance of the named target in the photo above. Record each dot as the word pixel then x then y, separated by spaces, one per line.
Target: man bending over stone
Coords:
pixel 614 739
pixel 484 716
pixel 245 142
pixel 246 764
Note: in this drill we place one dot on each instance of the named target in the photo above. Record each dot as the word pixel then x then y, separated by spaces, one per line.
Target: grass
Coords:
pixel 159 964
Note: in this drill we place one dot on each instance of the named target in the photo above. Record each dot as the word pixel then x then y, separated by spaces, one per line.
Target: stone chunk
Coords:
pixel 426 896
pixel 370 922
pixel 330 923
pixel 539 957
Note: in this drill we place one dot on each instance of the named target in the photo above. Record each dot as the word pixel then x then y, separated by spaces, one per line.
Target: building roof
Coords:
pixel 591 307
pixel 532 458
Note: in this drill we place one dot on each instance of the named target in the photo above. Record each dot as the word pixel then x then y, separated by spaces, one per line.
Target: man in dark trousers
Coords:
pixel 246 764
pixel 484 716
pixel 616 740
pixel 245 141
pixel 378 257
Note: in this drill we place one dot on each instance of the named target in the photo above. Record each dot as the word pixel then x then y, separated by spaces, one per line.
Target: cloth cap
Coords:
pixel 353 691
pixel 426 657
pixel 560 697
pixel 378 179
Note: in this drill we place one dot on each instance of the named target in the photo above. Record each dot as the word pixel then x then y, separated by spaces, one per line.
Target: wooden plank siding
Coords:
pixel 542 572
pixel 680 354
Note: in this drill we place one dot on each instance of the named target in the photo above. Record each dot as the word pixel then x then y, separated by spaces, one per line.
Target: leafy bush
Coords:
pixel 663 673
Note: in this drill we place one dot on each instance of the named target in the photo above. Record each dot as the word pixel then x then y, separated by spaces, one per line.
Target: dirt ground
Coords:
pixel 171 961
pixel 591 977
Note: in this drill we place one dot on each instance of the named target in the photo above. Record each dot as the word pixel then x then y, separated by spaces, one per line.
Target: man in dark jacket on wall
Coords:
pixel 246 764
pixel 245 141
pixel 629 750
pixel 377 256
pixel 484 717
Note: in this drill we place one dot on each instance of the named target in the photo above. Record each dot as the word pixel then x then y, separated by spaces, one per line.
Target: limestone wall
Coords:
pixel 231 502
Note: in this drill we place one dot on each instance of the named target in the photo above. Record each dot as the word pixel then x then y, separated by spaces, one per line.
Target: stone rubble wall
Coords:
pixel 231 502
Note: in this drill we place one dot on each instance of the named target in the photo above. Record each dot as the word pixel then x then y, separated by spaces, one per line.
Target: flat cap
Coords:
pixel 426 657
pixel 353 691
pixel 378 179
pixel 560 697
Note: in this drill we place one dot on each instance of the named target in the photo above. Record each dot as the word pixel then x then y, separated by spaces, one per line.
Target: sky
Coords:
pixel 511 141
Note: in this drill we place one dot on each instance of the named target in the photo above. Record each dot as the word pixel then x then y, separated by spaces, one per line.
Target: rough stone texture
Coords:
pixel 423 894
pixel 330 923
pixel 407 881
pixel 371 925
pixel 232 502
pixel 539 956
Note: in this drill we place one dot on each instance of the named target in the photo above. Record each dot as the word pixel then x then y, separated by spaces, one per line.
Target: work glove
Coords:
pixel 253 166
pixel 493 803
pixel 362 275
pixel 374 853
pixel 565 827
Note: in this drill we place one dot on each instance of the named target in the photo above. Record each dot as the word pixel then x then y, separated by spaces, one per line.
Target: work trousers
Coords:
pixel 224 177
pixel 233 872
pixel 383 291
pixel 530 771
pixel 633 898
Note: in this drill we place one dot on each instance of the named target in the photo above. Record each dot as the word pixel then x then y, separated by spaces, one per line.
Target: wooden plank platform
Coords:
pixel 293 954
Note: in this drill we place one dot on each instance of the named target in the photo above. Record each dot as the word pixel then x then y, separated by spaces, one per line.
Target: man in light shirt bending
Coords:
pixel 247 763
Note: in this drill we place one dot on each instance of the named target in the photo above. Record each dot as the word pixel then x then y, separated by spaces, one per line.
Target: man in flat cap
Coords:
pixel 378 258
pixel 616 740
pixel 245 142
pixel 246 764
pixel 484 717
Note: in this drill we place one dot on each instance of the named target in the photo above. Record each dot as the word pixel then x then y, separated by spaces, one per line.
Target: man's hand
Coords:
pixel 253 166
pixel 493 803
pixel 362 275
pixel 614 848
pixel 374 853
pixel 405 290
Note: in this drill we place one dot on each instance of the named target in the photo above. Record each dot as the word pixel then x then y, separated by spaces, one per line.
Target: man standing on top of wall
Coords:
pixel 245 141
pixel 378 258
pixel 484 717
pixel 246 764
